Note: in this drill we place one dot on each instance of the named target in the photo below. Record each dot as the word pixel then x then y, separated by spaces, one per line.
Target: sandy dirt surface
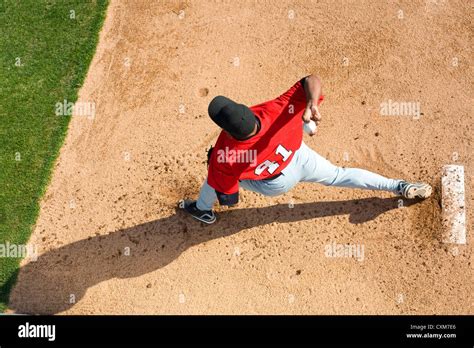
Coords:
pixel 110 238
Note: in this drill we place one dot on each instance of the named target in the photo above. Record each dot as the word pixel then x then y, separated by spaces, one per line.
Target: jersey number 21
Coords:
pixel 272 166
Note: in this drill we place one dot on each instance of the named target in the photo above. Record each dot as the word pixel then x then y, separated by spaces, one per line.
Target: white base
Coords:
pixel 453 204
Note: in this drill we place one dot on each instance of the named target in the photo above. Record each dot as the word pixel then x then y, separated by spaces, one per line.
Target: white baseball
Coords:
pixel 309 127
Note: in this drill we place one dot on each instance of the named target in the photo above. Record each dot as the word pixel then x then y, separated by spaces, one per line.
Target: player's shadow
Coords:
pixel 63 275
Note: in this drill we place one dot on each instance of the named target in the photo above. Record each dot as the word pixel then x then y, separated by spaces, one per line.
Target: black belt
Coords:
pixel 270 178
pixel 273 177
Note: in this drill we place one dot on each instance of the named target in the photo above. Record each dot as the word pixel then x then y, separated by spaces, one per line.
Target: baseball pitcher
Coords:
pixel 261 149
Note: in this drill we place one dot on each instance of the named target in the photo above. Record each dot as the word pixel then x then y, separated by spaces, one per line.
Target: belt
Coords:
pixel 273 177
pixel 270 178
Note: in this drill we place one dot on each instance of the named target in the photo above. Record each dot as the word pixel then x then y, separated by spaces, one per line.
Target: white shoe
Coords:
pixel 414 190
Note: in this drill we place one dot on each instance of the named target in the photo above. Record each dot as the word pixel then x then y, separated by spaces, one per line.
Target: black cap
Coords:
pixel 237 119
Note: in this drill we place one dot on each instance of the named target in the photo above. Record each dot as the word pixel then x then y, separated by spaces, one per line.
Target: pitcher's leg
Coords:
pixel 207 197
pixel 275 187
pixel 318 169
pixel 364 179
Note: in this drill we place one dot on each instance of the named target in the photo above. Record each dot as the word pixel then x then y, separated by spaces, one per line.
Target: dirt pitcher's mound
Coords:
pixel 109 236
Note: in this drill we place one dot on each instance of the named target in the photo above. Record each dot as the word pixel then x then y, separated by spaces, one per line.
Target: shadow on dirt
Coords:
pixel 48 285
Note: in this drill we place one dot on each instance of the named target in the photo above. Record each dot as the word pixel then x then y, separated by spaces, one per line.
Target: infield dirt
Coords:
pixel 110 238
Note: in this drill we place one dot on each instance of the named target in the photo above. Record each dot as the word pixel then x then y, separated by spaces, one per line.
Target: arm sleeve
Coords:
pixel 295 96
pixel 227 199
pixel 294 99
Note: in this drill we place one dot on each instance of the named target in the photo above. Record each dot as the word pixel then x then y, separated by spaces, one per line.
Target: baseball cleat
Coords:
pixel 206 216
pixel 414 190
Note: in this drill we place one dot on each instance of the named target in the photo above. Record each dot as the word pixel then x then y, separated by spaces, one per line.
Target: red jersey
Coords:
pixel 268 152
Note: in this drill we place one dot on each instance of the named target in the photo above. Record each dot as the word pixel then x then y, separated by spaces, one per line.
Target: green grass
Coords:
pixel 55 52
